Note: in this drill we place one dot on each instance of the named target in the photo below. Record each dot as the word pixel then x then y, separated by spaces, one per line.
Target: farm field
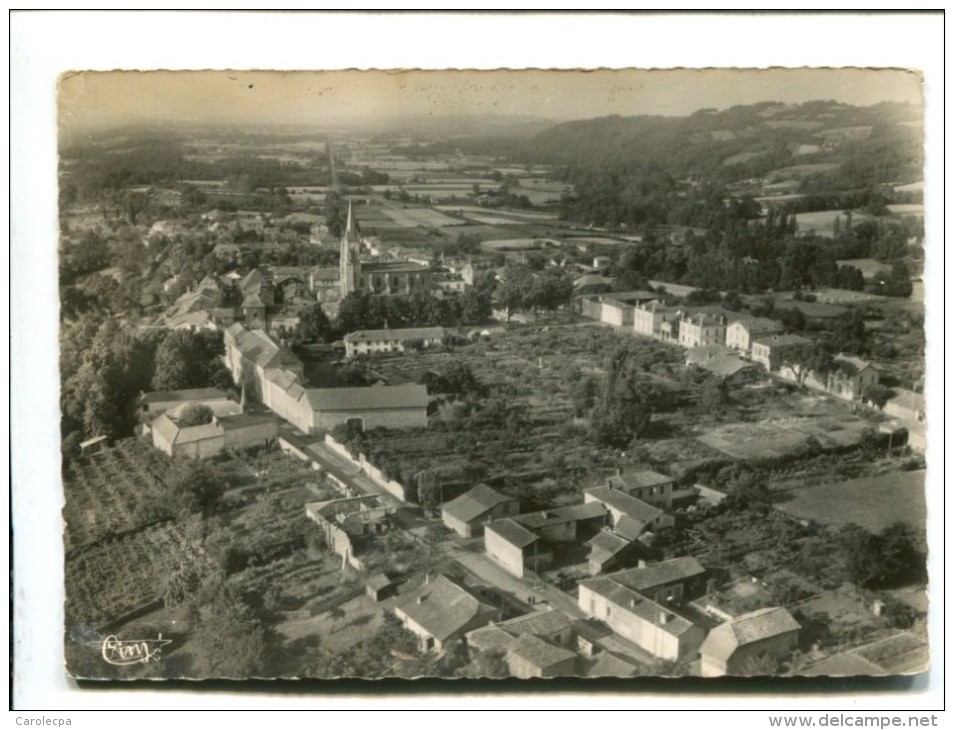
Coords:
pixel 414 217
pixel 872 503
pixel 104 582
pixel 907 209
pixel 114 492
pixel 822 221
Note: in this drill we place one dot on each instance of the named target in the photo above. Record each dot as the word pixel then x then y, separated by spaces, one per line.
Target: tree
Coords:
pixel 733 301
pixel 314 325
pixel 476 306
pixel 187 360
pixel 877 395
pixel 194 485
pixel 848 333
pixel 890 559
pixel 512 291
pixel 896 282
pixel 805 359
pixel 624 407
pixel 195 414
pixel 230 642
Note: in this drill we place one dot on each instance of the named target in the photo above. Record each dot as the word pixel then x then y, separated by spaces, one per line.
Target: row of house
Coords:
pixel 648 605
pixel 728 346
pixel 272 374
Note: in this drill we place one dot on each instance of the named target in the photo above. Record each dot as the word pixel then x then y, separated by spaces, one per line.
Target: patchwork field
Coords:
pixel 414 217
pixel 784 437
pixel 872 503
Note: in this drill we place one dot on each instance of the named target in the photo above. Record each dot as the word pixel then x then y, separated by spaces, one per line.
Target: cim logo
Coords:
pixel 139 651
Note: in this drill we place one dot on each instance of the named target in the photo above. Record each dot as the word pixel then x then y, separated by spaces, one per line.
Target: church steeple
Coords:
pixel 349 264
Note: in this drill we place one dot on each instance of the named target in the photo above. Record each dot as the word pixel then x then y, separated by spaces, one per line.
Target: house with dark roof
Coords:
pixel 439 611
pixel 388 406
pixel 643 605
pixel 530 656
pixel 752 643
pixel 573 523
pixel 642 516
pixel 608 664
pixel 610 551
pixel 467 514
pixel 551 625
pixel 516 548
pixel 649 486
pixel 208 439
pixel 743 330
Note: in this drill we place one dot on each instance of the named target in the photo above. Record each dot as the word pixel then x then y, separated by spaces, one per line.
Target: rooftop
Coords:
pixel 626 503
pixel 659 574
pixel 748 628
pixel 515 534
pixel 442 608
pixel 475 503
pixel 638 479
pixel 604 545
pixel 637 604
pixel 538 652
pixel 610 665
pixel 757 324
pixel 560 515
pixel 394 267
pixel 409 333
pixel 194 394
pixel 371 398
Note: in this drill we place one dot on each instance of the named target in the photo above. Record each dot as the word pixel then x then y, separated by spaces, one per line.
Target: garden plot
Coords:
pixel 783 437
pixel 414 217
pixel 872 503
pixel 114 492
pixel 107 581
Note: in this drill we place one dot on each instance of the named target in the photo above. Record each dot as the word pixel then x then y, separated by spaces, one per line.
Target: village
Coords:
pixel 430 428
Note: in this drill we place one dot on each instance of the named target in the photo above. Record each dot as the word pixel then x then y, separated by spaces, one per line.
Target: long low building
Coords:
pixel 272 375
pixel 387 340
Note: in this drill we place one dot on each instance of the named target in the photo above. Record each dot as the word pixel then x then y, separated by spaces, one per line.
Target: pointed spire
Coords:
pixel 351 230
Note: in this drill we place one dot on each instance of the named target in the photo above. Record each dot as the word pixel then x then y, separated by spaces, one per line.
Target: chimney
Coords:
pixel 663 618
pixel 641 563
pixel 632 603
pixel 427 578
pixel 420 600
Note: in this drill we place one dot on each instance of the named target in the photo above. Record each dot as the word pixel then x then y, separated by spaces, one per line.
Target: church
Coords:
pixel 376 277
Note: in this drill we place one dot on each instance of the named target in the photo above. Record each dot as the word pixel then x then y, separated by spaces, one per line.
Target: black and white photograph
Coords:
pixel 471 374
pixel 560 373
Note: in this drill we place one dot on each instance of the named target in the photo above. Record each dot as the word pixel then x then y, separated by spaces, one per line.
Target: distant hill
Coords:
pixel 849 146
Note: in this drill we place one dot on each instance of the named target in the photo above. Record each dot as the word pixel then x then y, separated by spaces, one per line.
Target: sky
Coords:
pixel 100 100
